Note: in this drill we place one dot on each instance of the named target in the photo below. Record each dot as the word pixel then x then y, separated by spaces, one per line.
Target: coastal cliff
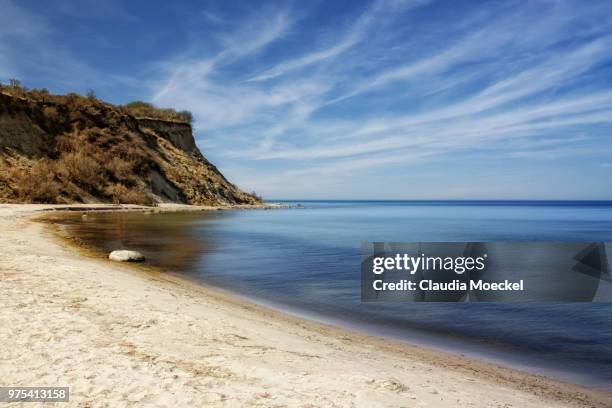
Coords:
pixel 70 148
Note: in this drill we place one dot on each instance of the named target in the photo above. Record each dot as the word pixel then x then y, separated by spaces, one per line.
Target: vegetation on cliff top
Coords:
pixel 135 108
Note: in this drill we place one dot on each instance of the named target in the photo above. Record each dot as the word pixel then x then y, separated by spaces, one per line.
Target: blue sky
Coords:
pixel 350 99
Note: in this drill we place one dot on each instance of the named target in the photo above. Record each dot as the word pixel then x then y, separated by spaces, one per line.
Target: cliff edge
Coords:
pixel 70 148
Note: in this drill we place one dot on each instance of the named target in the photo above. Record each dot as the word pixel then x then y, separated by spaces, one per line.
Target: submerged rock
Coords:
pixel 125 255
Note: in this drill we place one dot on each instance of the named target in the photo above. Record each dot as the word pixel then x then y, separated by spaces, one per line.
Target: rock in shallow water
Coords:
pixel 126 256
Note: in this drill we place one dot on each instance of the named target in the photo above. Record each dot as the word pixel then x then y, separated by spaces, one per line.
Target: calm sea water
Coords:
pixel 307 261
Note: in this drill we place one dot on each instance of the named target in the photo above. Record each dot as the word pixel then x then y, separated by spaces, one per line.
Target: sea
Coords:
pixel 305 260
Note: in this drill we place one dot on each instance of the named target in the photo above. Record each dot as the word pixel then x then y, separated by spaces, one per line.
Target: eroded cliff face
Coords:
pixel 179 134
pixel 74 149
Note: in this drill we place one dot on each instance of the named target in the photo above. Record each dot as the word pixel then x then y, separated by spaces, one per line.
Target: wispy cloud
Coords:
pixel 193 81
pixel 14 21
pixel 356 33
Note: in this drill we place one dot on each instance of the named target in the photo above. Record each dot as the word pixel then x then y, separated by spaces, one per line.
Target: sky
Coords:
pixel 413 99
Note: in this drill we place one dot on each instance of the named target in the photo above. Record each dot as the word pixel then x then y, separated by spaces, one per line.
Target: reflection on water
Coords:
pixel 167 241
pixel 308 261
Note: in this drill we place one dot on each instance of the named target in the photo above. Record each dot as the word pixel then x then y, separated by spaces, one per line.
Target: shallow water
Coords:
pixel 307 261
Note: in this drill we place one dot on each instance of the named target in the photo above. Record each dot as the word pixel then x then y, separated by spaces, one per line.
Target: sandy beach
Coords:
pixel 121 336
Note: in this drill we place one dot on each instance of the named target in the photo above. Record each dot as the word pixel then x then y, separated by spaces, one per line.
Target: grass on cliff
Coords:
pixel 148 110
pixel 89 165
pixel 136 108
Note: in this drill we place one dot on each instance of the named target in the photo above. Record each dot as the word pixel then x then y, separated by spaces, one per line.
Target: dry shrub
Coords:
pixel 99 161
pixel 82 170
pixel 39 94
pixel 121 194
pixel 67 143
pixel 37 184
pixel 146 109
pixel 51 114
pixel 121 169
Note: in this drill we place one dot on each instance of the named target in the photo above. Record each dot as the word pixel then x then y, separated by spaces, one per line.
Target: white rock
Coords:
pixel 126 256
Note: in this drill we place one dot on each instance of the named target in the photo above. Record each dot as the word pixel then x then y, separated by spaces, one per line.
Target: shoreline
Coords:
pixel 341 366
